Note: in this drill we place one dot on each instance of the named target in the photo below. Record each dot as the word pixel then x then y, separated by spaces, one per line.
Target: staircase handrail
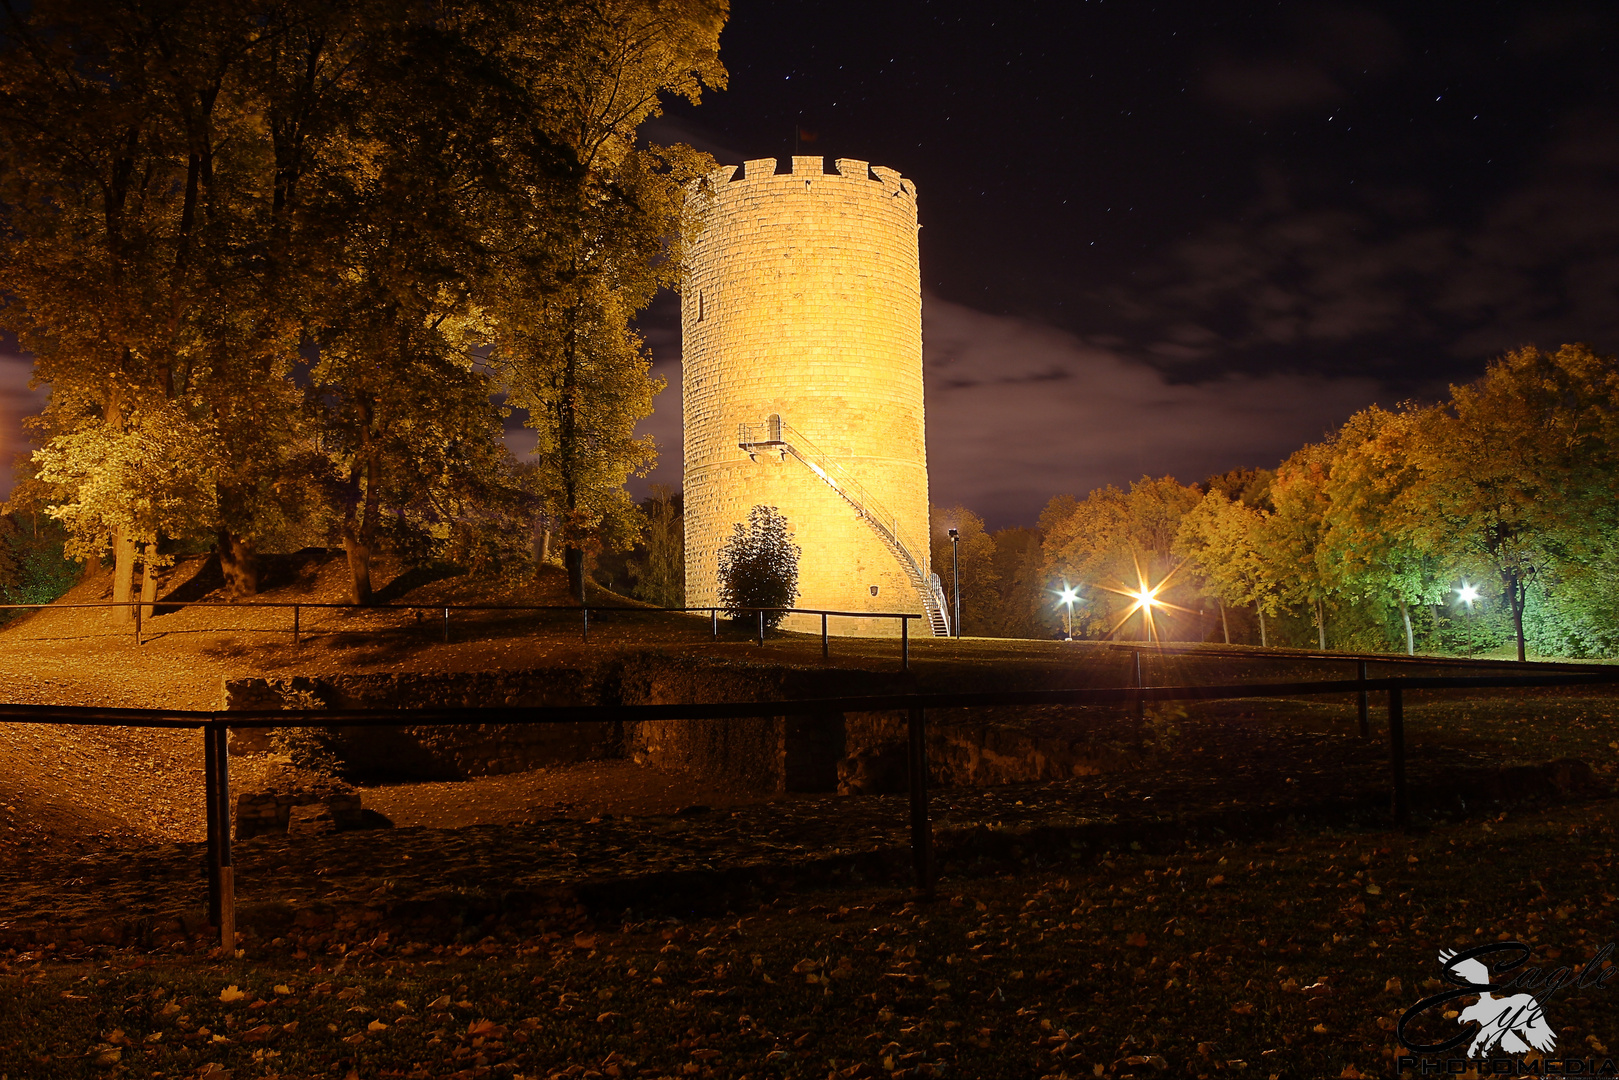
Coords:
pixel 838 478
pixel 789 440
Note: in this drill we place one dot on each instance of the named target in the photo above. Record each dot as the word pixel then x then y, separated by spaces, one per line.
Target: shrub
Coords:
pixel 759 566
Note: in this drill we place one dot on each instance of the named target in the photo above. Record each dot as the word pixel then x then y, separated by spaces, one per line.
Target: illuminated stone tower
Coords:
pixel 802 323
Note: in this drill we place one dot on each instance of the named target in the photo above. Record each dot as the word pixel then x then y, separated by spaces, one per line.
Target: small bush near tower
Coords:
pixel 759 566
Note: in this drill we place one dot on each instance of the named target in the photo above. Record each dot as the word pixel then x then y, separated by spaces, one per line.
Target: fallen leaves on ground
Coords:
pixel 1130 963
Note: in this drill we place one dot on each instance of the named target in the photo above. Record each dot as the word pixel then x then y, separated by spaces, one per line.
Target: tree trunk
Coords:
pixel 1321 625
pixel 542 541
pixel 359 556
pixel 123 576
pixel 148 582
pixel 360 522
pixel 1516 591
pixel 569 452
pixel 1263 643
pixel 1410 643
pixel 574 559
pixel 238 563
pixel 1225 626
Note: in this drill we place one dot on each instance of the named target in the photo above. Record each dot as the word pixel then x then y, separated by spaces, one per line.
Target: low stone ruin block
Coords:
pixel 307 821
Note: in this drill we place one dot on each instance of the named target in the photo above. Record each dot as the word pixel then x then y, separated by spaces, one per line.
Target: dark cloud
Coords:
pixel 1294 282
pixel 1270 87
pixel 1543 264
pixel 1019 411
pixel 1328 49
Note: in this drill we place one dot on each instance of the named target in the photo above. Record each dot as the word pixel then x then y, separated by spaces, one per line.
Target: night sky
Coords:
pixel 1164 238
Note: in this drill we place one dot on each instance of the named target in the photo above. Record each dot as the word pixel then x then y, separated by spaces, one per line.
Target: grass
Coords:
pixel 1291 957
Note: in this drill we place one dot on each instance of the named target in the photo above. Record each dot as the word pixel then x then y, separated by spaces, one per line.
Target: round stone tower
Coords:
pixel 801 316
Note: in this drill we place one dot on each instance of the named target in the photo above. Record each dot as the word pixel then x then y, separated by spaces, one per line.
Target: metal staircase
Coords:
pixel 777 437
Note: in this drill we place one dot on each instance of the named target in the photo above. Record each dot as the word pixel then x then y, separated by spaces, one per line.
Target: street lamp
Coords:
pixel 1067 597
pixel 1467 594
pixel 1145 598
pixel 955 578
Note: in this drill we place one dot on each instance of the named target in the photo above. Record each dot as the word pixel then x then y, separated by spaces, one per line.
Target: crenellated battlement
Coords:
pixel 811 168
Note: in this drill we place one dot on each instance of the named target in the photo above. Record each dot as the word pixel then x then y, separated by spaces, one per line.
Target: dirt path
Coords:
pixel 617 788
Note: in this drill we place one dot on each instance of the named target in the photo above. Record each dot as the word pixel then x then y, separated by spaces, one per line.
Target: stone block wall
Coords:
pixel 803 300
pixel 779 753
pixel 439 753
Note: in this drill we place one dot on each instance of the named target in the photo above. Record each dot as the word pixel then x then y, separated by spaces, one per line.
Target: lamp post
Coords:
pixel 1146 598
pixel 955 579
pixel 1067 597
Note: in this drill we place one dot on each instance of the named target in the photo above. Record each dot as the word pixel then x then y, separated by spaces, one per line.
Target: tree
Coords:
pixel 1371 547
pixel 138 236
pixel 405 408
pixel 1118 543
pixel 1025 609
pixel 1289 539
pixel 759 566
pixel 197 190
pixel 661 575
pixel 1518 469
pixel 607 229
pixel 1218 538
pixel 975 552
pixel 33 569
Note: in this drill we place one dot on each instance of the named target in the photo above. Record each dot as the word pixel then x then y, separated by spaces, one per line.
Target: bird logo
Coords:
pixel 1514 1024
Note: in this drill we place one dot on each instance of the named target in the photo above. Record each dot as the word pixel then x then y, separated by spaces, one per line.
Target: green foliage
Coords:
pixel 1571 610
pixel 1218 538
pixel 660 567
pixel 1026 605
pixel 315 749
pixel 152 477
pixel 759 566
pixel 33 568
pixel 1510 485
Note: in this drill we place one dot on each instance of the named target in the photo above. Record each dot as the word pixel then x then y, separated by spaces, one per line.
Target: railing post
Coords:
pixel 1360 674
pixel 761 626
pixel 921 826
pixel 1402 810
pixel 1141 705
pixel 227 872
pixel 138 623
pixel 824 653
pixel 584 632
pixel 904 643
pixel 446 626
pixel 295 624
pixel 210 803
pixel 714 614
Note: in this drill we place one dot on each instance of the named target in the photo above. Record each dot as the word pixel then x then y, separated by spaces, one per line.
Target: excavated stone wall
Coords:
pixel 854 753
pixel 764 754
pixel 803 299
pixel 438 753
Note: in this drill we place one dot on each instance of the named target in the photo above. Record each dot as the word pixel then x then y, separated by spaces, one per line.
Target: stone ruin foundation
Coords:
pixel 858 753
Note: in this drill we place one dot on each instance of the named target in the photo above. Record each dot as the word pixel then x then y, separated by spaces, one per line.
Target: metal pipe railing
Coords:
pixel 216 728
pixel 298 633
